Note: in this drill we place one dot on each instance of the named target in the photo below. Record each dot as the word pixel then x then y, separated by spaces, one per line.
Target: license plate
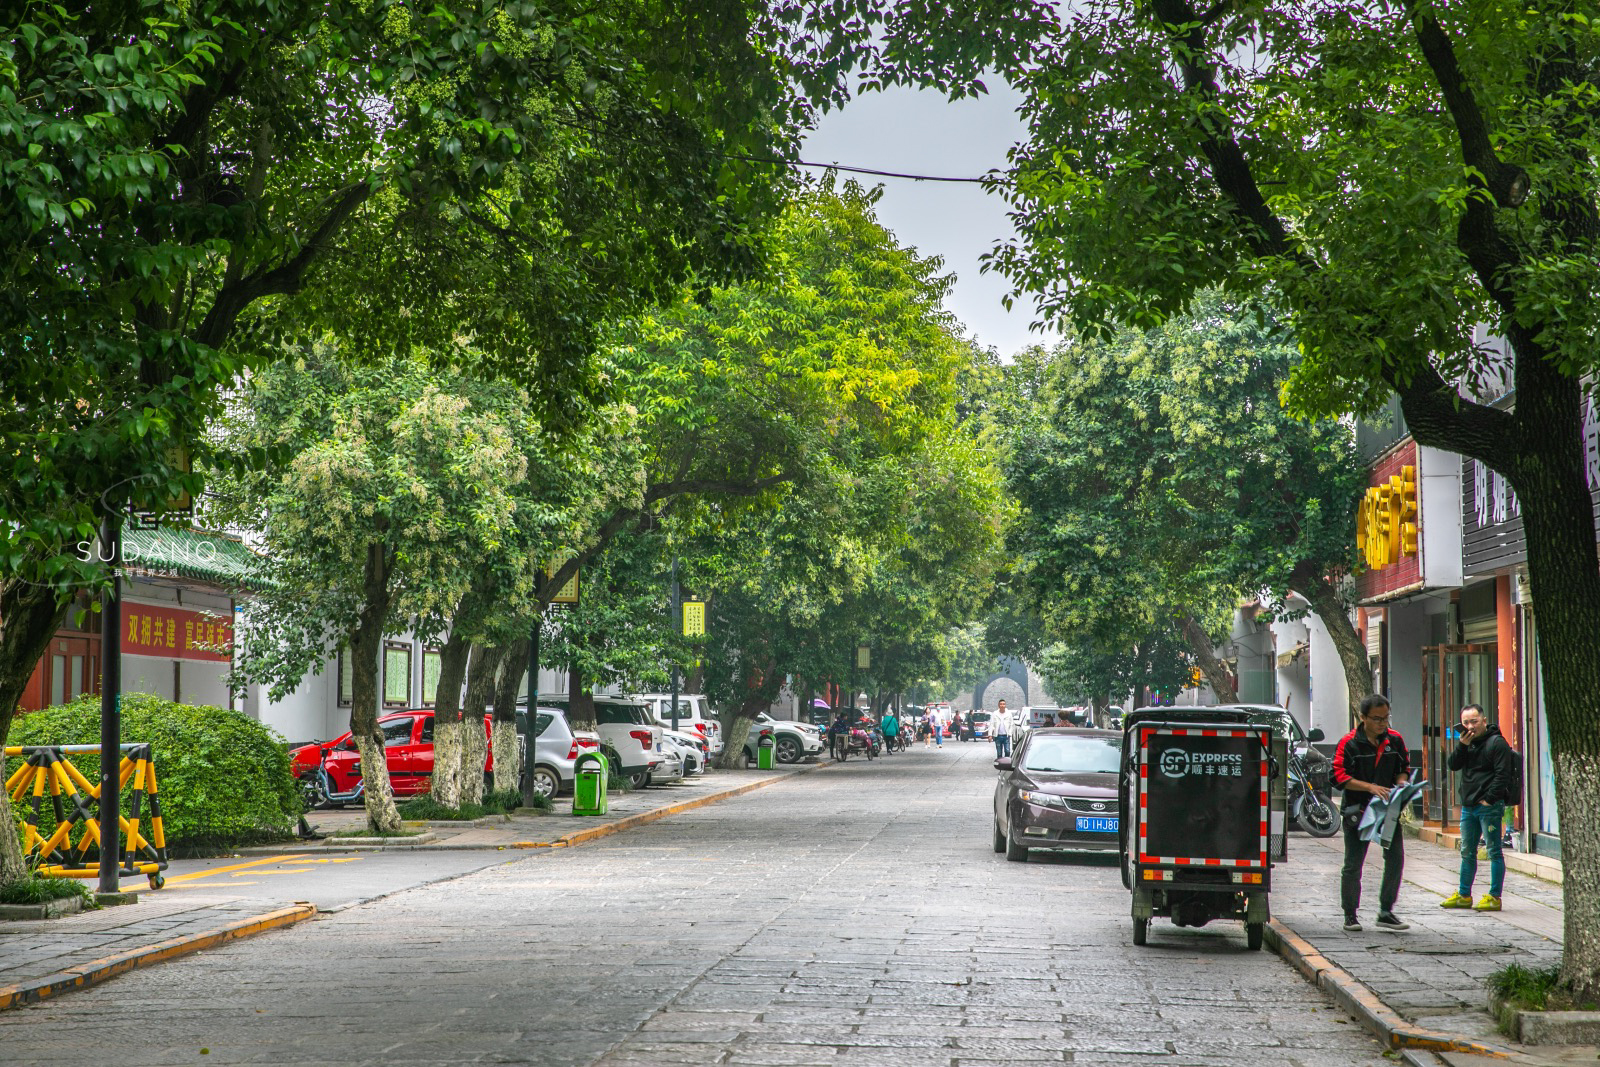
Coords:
pixel 1097 825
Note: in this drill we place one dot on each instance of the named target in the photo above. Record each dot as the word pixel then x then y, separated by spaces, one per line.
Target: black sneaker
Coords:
pixel 1352 925
pixel 1387 920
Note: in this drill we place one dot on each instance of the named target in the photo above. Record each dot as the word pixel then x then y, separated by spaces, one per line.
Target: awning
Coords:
pixel 193 554
pixel 1286 658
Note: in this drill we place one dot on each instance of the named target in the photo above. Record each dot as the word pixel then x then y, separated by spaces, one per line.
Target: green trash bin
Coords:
pixel 589 785
pixel 764 750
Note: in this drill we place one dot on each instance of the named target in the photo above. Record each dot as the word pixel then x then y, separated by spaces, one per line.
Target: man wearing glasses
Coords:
pixel 1371 760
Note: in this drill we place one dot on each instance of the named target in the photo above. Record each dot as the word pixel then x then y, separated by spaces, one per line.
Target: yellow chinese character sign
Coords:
pixel 694 618
pixel 1386 520
pixel 568 593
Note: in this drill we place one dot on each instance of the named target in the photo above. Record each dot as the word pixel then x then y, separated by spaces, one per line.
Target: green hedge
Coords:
pixel 223 777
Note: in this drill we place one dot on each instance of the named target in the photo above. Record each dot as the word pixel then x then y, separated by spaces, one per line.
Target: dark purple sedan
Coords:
pixel 1058 791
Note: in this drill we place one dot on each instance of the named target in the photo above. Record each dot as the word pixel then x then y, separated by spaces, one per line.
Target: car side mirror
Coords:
pixel 1315 736
pixel 1003 763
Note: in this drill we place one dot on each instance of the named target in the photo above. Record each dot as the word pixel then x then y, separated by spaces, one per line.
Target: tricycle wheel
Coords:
pixel 1141 931
pixel 1253 934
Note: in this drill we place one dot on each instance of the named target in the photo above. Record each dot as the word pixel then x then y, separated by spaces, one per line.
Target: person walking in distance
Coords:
pixel 890 725
pixel 1002 732
pixel 1488 782
pixel 1370 761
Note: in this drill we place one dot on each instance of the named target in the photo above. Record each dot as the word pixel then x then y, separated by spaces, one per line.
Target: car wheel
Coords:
pixel 999 837
pixel 1015 851
pixel 788 750
pixel 638 779
pixel 546 782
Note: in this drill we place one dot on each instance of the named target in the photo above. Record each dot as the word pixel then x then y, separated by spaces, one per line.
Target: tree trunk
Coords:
pixel 1557 517
pixel 474 736
pixel 1330 607
pixel 29 618
pixel 447 724
pixel 365 642
pixel 580 702
pixel 1217 675
pixel 736 730
pixel 507 753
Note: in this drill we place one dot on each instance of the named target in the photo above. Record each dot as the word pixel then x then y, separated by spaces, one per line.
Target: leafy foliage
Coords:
pixel 222 776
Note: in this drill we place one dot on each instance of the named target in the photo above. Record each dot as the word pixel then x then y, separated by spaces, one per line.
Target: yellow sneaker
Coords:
pixel 1487 903
pixel 1461 900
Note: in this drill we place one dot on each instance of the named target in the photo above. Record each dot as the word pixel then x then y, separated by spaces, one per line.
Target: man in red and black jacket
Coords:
pixel 1369 762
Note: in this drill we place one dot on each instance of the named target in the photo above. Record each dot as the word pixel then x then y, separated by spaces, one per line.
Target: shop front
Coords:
pixel 1409 536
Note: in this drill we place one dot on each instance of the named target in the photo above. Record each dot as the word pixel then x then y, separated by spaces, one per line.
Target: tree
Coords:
pixel 1393 177
pixel 1161 484
pixel 193 184
pixel 394 487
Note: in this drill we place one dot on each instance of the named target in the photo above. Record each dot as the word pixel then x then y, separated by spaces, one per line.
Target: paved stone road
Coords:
pixel 852 916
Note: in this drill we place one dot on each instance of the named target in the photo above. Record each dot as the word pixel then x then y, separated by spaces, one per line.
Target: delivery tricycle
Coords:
pixel 1203 817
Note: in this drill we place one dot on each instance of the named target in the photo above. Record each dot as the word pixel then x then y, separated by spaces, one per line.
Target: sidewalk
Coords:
pixel 1422 988
pixel 45 958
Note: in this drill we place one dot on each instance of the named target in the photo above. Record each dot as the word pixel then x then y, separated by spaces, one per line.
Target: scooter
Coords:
pixel 316 786
pixel 1312 810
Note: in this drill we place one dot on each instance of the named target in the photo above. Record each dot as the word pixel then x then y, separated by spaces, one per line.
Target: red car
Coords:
pixel 407 749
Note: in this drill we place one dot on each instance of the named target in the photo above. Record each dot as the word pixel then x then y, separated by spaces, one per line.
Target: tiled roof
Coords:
pixel 195 554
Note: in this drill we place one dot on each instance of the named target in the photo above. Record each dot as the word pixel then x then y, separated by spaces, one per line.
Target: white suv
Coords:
pixel 694 716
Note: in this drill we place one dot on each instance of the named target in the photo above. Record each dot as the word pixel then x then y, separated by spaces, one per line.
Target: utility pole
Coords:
pixel 677 624
pixel 111 711
pixel 530 721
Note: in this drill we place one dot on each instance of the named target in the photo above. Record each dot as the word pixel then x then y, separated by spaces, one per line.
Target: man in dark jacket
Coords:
pixel 1370 761
pixel 1484 760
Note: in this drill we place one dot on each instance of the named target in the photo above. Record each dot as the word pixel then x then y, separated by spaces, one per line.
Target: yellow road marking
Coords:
pixel 235 867
pixel 212 885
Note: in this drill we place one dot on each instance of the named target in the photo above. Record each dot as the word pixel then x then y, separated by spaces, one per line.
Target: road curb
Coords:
pixel 97 971
pixel 1362 1003
pixel 578 837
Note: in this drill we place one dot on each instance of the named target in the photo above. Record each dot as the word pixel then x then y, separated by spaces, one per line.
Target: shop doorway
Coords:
pixel 1453 676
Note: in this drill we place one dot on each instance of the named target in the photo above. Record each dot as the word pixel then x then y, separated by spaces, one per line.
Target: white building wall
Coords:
pixel 1330 693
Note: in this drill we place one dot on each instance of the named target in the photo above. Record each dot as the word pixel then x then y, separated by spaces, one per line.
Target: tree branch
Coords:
pixel 239 294
pixel 1507 184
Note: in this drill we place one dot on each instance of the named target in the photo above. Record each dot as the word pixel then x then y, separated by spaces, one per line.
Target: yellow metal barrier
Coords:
pixel 47 772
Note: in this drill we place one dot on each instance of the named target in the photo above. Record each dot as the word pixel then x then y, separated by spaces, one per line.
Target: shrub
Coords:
pixel 223 778
pixel 425 807
pixel 37 889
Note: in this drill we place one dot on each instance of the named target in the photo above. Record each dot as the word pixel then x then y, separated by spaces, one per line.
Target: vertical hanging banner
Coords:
pixel 568 593
pixel 694 618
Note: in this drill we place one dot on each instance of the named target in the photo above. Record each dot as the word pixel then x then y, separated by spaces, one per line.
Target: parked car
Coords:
pixel 408 753
pixel 1059 792
pixel 628 726
pixel 982 725
pixel 691 748
pixel 792 741
pixel 694 715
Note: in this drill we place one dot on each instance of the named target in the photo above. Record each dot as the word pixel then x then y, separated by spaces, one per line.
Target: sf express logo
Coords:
pixel 1178 763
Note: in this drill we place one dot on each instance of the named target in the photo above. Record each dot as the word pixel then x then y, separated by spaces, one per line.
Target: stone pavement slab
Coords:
pixel 46 958
pixel 1431 976
pixel 853 916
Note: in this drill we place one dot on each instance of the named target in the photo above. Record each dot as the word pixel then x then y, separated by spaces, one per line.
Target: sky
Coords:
pixel 920 132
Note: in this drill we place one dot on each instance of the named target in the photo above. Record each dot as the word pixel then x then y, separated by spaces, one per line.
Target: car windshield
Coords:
pixel 1073 754
pixel 1283 724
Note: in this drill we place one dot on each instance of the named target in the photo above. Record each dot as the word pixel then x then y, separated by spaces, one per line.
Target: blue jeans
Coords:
pixel 1002 746
pixel 1482 821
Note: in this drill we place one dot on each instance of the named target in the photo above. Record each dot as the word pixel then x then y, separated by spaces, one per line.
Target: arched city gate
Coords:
pixel 1009 684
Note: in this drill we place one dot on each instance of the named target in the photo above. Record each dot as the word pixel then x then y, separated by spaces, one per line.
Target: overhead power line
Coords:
pixel 867 170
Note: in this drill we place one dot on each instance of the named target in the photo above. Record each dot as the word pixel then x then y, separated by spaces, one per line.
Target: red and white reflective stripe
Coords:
pixel 1144 800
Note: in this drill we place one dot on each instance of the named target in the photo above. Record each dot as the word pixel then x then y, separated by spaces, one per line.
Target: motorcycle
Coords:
pixel 1313 810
